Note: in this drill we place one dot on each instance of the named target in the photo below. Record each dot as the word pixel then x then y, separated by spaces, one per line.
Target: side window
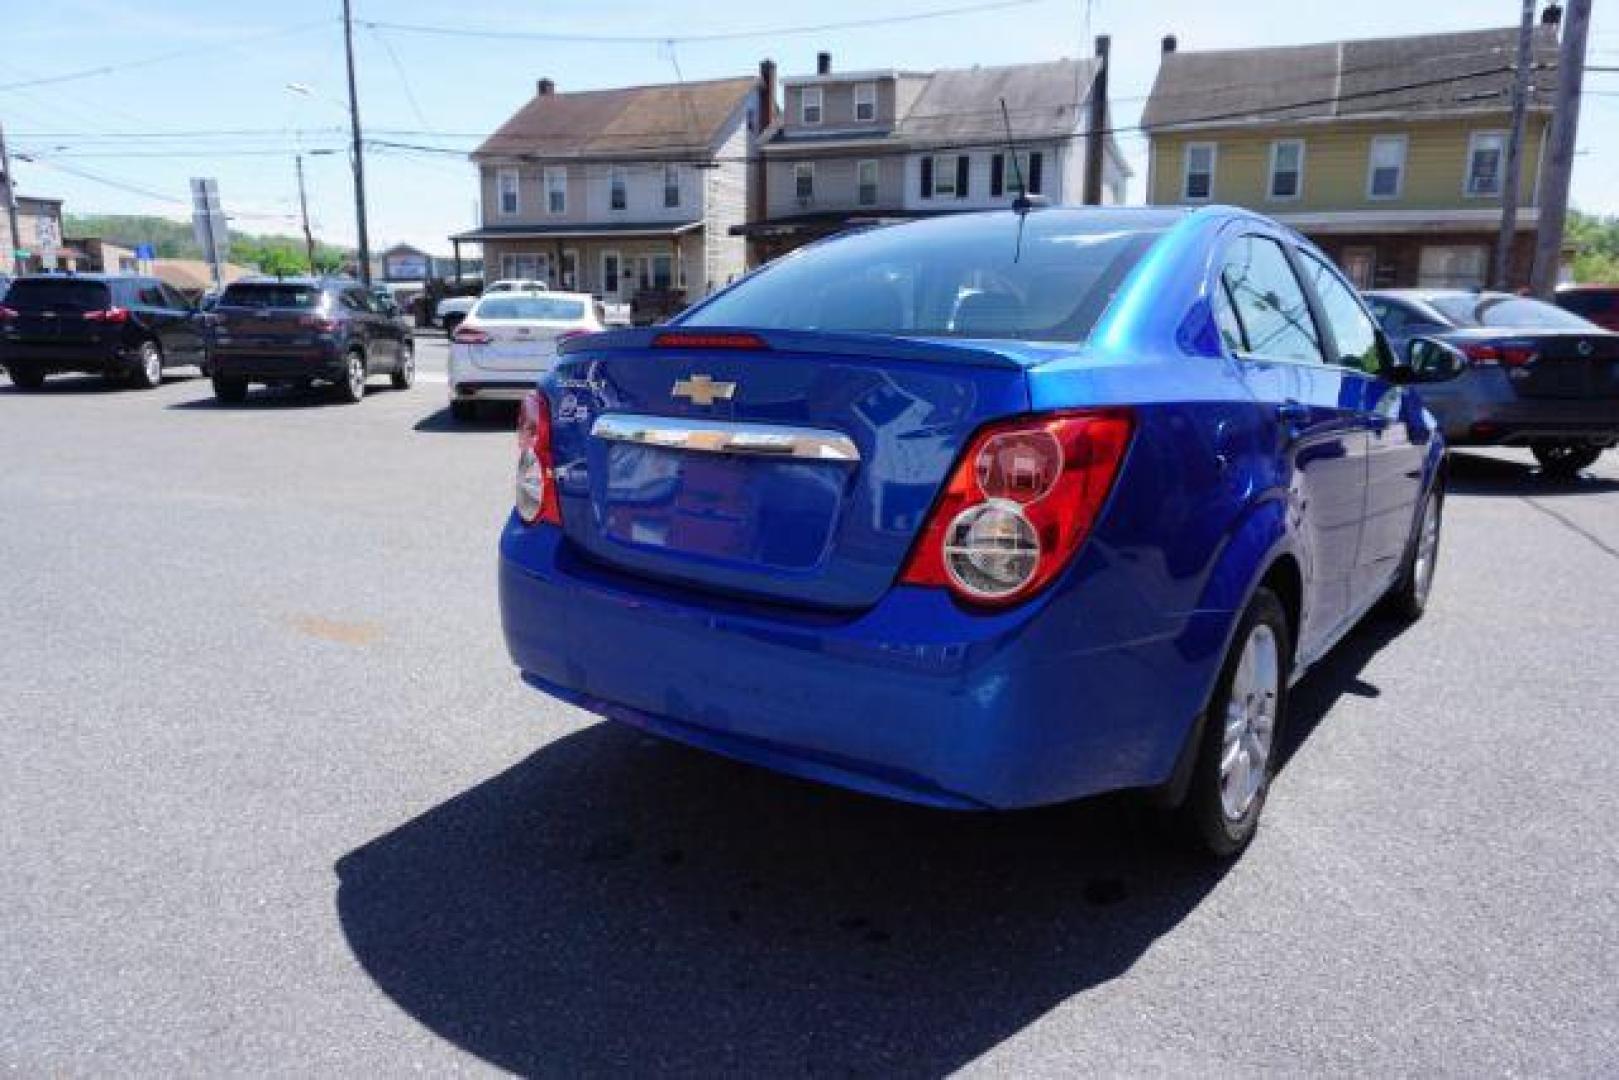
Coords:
pixel 1269 303
pixel 174 298
pixel 1225 317
pixel 1353 331
pixel 353 300
pixel 1393 317
pixel 150 294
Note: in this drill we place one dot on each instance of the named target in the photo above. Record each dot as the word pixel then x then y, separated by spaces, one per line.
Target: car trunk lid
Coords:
pixel 51 311
pixel 1557 364
pixel 798 471
pixel 271 314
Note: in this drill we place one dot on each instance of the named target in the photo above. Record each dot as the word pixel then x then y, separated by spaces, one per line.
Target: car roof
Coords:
pixel 1429 295
pixel 546 294
pixel 298 279
pixel 1591 287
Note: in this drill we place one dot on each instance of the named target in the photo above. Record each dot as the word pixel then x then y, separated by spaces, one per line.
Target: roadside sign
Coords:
pixel 208 221
pixel 144 252
pixel 49 242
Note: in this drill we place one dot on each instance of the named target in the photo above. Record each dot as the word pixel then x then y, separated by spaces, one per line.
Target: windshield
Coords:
pixel 1041 277
pixel 529 307
pixel 271 295
pixel 42 294
pixel 1506 313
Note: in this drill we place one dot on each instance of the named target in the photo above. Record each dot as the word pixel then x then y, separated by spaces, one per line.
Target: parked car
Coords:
pixel 1538 376
pixel 509 340
pixel 1598 303
pixel 300 331
pixel 981 511
pixel 125 328
pixel 452 309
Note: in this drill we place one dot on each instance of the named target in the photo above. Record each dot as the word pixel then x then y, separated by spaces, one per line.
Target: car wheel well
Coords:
pixel 1287 582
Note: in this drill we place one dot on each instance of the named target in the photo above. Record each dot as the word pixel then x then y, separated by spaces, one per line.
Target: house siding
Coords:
pixel 1055 184
pixel 1336 161
pixel 836 180
pixel 725 204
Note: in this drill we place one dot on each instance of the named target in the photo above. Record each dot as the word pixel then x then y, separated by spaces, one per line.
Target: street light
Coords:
pixel 302 90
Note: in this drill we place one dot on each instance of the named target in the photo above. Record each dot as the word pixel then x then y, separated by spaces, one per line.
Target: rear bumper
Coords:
pixel 324 362
pixel 913 699
pixel 1482 409
pixel 52 359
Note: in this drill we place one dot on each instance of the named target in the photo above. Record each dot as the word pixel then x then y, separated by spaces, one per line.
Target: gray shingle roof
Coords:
pixel 1043 101
pixel 669 120
pixel 1460 72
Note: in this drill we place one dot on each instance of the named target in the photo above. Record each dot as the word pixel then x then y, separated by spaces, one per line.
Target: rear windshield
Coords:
pixel 272 295
pixel 37 294
pixel 1042 277
pixel 1594 302
pixel 1506 313
pixel 529 307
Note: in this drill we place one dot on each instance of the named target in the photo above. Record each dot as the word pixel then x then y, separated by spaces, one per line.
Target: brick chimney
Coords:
pixel 767 93
pixel 823 63
pixel 545 87
pixel 1552 16
pixel 1167 46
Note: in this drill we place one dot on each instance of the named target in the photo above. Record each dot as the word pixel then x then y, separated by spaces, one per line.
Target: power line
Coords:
pixel 692 39
pixel 212 47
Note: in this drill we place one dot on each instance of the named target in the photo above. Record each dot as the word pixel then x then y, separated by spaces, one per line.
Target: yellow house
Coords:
pixel 1388 153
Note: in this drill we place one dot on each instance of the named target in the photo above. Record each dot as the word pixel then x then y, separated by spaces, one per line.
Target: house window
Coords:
pixel 617 184
pixel 663 272
pixel 524 266
pixel 1286 168
pixel 569 272
pixel 1197 176
pixel 1452 266
pixel 556 190
pixel 1011 174
pixel 1385 176
pixel 865 102
pixel 804 182
pixel 866 183
pixel 1486 152
pixel 810 105
pixel 944 176
pixel 506 181
pixel 671 185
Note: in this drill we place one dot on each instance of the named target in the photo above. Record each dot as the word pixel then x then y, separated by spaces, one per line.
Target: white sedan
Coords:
pixel 509 340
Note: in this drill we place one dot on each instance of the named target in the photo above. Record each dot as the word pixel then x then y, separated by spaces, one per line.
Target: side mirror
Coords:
pixel 1429 360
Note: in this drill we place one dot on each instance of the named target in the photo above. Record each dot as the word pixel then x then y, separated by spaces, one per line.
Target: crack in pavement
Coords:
pixel 1602 545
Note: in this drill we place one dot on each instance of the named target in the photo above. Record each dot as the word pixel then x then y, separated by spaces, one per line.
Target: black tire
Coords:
pixel 404 376
pixel 1407 598
pixel 351 387
pixel 451 322
pixel 1203 817
pixel 229 390
pixel 26 378
pixel 148 371
pixel 464 411
pixel 1564 460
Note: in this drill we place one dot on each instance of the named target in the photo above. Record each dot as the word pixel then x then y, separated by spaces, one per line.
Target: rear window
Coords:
pixel 1506 313
pixel 271 295
pixel 1594 302
pixel 40 294
pixel 1046 277
pixel 529 307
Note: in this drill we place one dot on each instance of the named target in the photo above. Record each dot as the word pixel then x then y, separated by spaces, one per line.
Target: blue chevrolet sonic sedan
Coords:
pixel 984 511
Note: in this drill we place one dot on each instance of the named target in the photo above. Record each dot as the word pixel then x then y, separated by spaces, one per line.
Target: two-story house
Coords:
pixel 1389 153
pixel 885 145
pixel 620 192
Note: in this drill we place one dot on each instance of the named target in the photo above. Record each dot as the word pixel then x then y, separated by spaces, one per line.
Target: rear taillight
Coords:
pixel 1485 355
pixel 7 314
pixel 1020 502
pixel 681 339
pixel 470 335
pixel 536 478
pixel 321 324
pixel 108 315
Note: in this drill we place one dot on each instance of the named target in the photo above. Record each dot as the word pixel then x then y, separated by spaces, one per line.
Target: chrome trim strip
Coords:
pixel 726 437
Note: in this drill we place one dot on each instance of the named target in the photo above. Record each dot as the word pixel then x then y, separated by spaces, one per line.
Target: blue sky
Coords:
pixel 128 140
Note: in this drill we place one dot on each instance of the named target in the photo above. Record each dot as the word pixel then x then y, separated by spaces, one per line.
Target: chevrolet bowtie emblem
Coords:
pixel 703 390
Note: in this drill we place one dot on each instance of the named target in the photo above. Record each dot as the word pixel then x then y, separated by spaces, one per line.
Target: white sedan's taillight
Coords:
pixel 536 495
pixel 1020 502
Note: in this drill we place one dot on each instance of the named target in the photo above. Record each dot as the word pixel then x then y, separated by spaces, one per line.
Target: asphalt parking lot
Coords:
pixel 272 800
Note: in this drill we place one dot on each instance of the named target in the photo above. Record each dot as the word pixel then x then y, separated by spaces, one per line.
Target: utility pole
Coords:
pixel 1560 161
pixel 1096 125
pixel 358 151
pixel 11 204
pixel 303 207
pixel 1509 187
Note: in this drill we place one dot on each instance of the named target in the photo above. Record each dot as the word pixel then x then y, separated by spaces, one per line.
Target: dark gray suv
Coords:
pixel 299 331
pixel 126 328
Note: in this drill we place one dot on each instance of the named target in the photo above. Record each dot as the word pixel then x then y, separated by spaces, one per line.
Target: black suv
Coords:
pixel 299 331
pixel 126 328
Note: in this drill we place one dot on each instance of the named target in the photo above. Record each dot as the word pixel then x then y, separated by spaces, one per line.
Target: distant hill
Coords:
pixel 174 240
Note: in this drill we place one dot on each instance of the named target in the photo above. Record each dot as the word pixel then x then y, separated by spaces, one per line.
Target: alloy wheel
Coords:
pixel 1250 721
pixel 1427 549
pixel 356 376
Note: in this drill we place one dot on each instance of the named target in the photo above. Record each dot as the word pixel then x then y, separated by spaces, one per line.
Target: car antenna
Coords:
pixel 1020 205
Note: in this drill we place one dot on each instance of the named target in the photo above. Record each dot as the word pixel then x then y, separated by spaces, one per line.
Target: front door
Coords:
pixel 1397 435
pixel 613 285
pixel 1322 435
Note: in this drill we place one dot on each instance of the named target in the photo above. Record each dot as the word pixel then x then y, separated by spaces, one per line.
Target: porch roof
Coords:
pixel 577 231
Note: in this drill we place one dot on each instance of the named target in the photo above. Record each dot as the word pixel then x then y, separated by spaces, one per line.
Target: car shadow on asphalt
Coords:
pixel 619 903
pixel 1477 474
pixel 319 396
pixel 86 384
pixel 491 416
